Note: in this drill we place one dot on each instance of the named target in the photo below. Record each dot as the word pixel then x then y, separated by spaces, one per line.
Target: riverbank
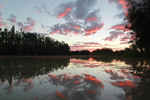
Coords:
pixel 72 56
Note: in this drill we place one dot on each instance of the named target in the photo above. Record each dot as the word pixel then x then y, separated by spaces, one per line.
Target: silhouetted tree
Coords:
pixel 139 21
pixel 82 52
pixel 26 43
pixel 104 51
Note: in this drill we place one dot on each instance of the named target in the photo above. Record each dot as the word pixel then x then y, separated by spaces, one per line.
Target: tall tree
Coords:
pixel 26 43
pixel 139 19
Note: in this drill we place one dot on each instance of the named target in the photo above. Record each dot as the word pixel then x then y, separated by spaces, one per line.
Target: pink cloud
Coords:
pixel 78 18
pixel 124 84
pixel 77 27
pixel 118 27
pixel 124 26
pixel 92 19
pixel 94 29
pixel 123 3
pixel 12 19
pixel 1 5
pixel 29 25
pixel 1 22
pixel 38 10
pixel 125 39
pixel 64 13
pixel 85 46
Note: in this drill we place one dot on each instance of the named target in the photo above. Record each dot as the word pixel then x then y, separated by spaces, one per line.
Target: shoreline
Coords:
pixel 48 57
pixel 66 56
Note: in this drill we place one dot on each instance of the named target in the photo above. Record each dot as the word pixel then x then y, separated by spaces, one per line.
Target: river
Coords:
pixel 85 78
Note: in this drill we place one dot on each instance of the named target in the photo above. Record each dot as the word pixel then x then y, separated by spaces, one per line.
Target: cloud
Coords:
pixel 1 22
pixel 126 38
pixel 12 19
pixel 92 18
pixel 45 9
pixel 92 44
pixel 1 5
pixel 83 7
pixel 124 84
pixel 119 26
pixel 80 18
pixel 65 29
pixel 121 4
pixel 85 46
pixel 113 35
pixel 67 10
pixel 28 25
pixel 113 74
pixel 45 27
pixel 120 15
pixel 93 29
pixel 38 10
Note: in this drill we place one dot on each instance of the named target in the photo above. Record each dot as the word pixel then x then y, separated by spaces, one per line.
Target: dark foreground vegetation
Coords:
pixel 25 43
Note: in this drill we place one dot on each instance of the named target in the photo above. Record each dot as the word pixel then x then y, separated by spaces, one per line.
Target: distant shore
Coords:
pixel 65 56
pixel 49 57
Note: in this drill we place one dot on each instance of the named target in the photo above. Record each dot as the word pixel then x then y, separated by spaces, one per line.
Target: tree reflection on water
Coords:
pixel 133 79
pixel 16 68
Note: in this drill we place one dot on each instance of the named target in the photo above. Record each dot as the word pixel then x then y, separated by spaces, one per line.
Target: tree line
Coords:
pixel 26 43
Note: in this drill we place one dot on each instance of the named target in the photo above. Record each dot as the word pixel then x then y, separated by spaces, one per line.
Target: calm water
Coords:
pixel 74 79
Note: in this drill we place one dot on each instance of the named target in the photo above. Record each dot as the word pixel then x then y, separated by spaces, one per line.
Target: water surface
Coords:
pixel 92 78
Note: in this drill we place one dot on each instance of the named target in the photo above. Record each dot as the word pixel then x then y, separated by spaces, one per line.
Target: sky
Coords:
pixel 83 24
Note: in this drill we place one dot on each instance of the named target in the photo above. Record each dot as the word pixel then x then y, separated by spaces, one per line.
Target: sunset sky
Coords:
pixel 83 24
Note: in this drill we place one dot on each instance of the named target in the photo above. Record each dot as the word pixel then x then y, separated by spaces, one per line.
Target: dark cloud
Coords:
pixel 113 35
pixel 83 7
pixel 12 19
pixel 93 16
pixel 127 38
pixel 79 16
pixel 65 29
pixel 126 42
pixel 28 25
pixel 113 74
pixel 93 28
pixel 46 9
pixel 120 26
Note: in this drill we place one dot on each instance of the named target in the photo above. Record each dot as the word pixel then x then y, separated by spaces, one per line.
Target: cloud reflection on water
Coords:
pixel 81 79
